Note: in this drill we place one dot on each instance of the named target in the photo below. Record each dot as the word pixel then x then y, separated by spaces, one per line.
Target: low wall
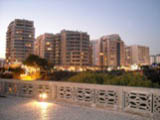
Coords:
pixel 143 101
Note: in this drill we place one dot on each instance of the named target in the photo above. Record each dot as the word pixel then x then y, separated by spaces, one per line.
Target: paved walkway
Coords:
pixel 16 108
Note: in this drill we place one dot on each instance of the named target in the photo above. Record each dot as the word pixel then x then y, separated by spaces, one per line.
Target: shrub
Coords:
pixel 127 79
pixel 88 77
pixel 60 75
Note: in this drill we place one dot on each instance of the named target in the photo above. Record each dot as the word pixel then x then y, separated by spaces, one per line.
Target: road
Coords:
pixel 17 108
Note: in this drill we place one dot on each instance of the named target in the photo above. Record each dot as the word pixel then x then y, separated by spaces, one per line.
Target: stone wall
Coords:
pixel 143 101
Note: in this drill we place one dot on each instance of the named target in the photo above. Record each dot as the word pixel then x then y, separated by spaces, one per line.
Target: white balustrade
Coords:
pixel 144 101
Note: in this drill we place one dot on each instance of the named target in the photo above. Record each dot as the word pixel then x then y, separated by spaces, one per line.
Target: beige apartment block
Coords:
pixel 19 40
pixel 43 47
pixel 67 48
pixel 155 59
pixel 137 54
pixel 57 49
pixel 95 46
pixel 128 56
pixel 158 58
pixel 112 51
pixel 74 48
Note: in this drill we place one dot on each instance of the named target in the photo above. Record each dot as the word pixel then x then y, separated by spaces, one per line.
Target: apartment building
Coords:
pixel 19 40
pixel 2 62
pixel 137 54
pixel 67 48
pixel 158 58
pixel 74 48
pixel 128 56
pixel 95 46
pixel 43 47
pixel 57 49
pixel 112 51
pixel 155 59
pixel 90 55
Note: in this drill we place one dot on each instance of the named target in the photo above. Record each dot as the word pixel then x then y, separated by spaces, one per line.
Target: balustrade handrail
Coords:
pixel 144 101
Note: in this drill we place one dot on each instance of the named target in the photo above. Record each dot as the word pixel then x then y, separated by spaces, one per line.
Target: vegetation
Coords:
pixel 125 79
pixel 12 73
pixel 7 75
pixel 59 75
pixel 148 76
pixel 36 61
pixel 152 74
pixel 16 72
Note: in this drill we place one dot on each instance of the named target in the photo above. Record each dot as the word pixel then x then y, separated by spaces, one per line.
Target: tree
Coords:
pixel 152 74
pixel 60 75
pixel 17 72
pixel 127 79
pixel 34 60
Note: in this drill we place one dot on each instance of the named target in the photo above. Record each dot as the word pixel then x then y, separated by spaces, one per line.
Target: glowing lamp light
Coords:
pixel 42 105
pixel 31 73
pixel 43 96
pixel 134 67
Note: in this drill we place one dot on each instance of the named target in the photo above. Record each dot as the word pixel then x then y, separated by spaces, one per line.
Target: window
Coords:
pixel 30 36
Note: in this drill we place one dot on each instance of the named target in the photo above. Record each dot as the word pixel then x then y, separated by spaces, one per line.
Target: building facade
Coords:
pixel 95 46
pixel 2 63
pixel 43 47
pixel 57 49
pixel 90 55
pixel 19 40
pixel 67 48
pixel 128 56
pixel 152 59
pixel 74 48
pixel 137 54
pixel 158 58
pixel 112 51
pixel 155 59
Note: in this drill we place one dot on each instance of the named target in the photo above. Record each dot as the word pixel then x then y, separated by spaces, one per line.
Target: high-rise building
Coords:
pixel 152 59
pixel 67 48
pixel 43 47
pixel 137 54
pixel 155 59
pixel 57 49
pixel 74 48
pixel 95 46
pixel 128 56
pixel 112 51
pixel 90 54
pixel 2 62
pixel 19 40
pixel 158 58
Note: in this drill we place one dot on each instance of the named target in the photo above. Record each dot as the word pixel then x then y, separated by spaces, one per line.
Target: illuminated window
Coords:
pixel 47 43
pixel 20 38
pixel 49 49
pixel 19 31
pixel 28 45
pixel 30 36
pixel 101 54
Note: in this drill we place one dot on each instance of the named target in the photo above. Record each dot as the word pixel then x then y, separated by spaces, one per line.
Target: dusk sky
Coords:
pixel 136 21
